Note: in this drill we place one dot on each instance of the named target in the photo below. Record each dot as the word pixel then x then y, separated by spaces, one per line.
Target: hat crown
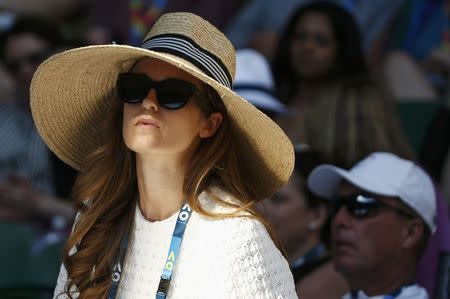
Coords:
pixel 201 32
pixel 391 169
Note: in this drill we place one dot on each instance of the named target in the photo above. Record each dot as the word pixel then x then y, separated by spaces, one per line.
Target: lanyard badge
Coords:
pixel 175 244
pixel 183 217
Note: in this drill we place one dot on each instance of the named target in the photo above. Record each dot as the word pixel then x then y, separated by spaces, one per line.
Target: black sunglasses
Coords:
pixel 362 206
pixel 33 59
pixel 170 93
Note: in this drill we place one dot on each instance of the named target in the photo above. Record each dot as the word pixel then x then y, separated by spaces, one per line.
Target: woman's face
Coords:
pixel 313 46
pixel 150 128
pixel 288 213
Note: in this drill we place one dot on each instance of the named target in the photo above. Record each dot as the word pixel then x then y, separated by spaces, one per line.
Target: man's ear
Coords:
pixel 413 232
pixel 211 125
pixel 319 217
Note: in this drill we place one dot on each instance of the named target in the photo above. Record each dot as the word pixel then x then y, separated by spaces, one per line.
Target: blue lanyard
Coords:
pixel 311 255
pixel 117 270
pixel 183 218
pixel 392 295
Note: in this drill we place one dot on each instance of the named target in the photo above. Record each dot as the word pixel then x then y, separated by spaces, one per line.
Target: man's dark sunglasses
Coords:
pixel 170 93
pixel 363 206
pixel 33 59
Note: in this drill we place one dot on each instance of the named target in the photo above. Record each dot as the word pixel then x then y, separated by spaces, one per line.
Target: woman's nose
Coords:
pixel 150 101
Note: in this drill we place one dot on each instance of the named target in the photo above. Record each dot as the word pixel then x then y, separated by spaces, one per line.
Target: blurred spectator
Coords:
pixel 374 18
pixel 114 19
pixel 405 81
pixel 127 20
pixel 23 47
pixel 420 67
pixel 338 111
pixel 384 211
pixel 416 74
pixel 445 179
pixel 259 23
pixel 301 221
pixel 437 255
pixel 322 75
pixel 6 85
pixel 30 176
pixel 218 13
pixel 69 16
pixel 320 45
pixel 254 82
pixel 53 9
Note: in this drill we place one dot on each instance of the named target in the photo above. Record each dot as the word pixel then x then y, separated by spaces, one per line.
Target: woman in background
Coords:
pixel 322 75
pixel 301 220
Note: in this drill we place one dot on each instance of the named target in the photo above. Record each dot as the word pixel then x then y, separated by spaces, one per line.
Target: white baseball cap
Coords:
pixel 254 81
pixel 383 174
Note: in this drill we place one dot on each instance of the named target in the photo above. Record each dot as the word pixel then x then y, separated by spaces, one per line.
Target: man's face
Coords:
pixel 23 54
pixel 361 244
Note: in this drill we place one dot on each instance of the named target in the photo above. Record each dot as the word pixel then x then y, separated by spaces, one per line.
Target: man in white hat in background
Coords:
pixel 254 82
pixel 383 213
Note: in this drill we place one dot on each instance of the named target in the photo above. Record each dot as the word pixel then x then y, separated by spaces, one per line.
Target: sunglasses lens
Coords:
pixel 174 93
pixel 357 205
pixel 132 88
pixel 360 210
pixel 171 93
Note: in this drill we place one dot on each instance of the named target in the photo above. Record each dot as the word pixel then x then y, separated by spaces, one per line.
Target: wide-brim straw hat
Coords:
pixel 72 91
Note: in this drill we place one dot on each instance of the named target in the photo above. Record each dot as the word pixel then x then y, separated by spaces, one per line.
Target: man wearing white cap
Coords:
pixel 254 82
pixel 389 214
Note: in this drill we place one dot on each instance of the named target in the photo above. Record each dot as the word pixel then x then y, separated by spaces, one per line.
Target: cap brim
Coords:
pixel 325 180
pixel 72 91
pixel 262 100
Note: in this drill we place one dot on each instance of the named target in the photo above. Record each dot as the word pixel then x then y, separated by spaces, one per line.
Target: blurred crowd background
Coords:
pixel 343 78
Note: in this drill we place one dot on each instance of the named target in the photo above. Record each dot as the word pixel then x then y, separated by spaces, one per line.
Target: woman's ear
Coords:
pixel 211 125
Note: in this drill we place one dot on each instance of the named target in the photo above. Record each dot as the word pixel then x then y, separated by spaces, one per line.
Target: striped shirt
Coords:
pixel 22 151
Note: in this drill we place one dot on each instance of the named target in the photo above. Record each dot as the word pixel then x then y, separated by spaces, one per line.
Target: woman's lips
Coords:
pixel 147 123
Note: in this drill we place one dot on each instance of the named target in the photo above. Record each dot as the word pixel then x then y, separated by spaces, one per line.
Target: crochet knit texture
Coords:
pixel 226 258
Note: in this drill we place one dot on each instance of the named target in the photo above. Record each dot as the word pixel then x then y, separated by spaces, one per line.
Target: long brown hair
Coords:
pixel 352 121
pixel 105 194
pixel 346 122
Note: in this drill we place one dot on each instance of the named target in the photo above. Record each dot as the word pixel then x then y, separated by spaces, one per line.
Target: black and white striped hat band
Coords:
pixel 186 48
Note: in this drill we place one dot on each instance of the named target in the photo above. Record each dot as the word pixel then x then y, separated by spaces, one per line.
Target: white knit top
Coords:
pixel 228 258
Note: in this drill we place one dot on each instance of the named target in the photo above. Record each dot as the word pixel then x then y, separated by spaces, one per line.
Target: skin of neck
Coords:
pixel 160 185
pixel 297 251
pixel 384 279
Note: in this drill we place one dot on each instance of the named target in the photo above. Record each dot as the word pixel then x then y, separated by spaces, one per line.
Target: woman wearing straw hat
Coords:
pixel 171 164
